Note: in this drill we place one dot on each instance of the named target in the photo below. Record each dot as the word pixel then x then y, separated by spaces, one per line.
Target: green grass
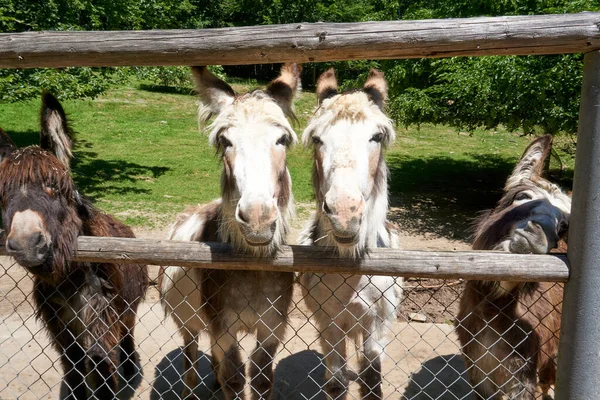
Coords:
pixel 139 155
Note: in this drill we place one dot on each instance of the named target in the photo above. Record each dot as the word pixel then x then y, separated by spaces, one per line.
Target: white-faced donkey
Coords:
pixel 252 134
pixel 348 133
pixel 509 331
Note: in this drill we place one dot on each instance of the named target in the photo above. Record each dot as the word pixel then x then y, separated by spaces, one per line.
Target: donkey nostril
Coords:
pixel 326 208
pixel 12 245
pixel 243 217
pixel 37 239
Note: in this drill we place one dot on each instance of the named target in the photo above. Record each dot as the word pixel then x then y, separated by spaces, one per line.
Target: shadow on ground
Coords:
pixel 126 391
pixel 97 178
pixel 441 196
pixel 299 376
pixel 166 89
pixel 442 377
pixel 24 138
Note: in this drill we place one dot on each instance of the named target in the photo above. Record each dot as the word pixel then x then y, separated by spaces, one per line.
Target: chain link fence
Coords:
pixel 422 359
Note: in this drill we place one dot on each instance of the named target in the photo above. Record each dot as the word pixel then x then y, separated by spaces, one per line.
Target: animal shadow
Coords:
pixel 168 382
pixel 442 377
pixel 300 376
pixel 126 391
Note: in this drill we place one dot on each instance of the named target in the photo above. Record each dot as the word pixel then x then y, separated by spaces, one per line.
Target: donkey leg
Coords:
pixel 523 385
pixel 333 342
pixel 129 356
pixel 230 371
pixel 190 364
pixel 261 363
pixel 214 363
pixel 103 367
pixel 73 363
pixel 370 366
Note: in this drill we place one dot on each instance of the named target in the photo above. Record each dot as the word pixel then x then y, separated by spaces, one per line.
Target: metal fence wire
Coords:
pixel 421 359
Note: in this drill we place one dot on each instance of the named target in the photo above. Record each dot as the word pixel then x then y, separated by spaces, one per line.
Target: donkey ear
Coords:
pixel 214 93
pixel 532 161
pixel 7 146
pixel 286 87
pixel 376 88
pixel 327 85
pixel 55 134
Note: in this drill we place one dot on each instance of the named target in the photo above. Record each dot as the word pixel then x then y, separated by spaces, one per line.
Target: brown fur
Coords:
pixel 88 308
pixel 509 331
pixel 6 145
pixel 283 89
pixel 376 88
pixel 327 85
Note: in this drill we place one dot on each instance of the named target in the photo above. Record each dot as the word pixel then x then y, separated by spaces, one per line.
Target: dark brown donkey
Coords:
pixel 509 330
pixel 89 309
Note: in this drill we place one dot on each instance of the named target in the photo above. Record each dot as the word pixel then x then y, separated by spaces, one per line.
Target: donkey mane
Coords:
pixel 42 169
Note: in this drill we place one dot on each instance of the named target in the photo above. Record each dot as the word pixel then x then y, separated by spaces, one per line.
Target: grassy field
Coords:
pixel 139 155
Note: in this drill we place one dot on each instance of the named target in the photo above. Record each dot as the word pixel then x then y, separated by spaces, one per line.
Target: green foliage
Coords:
pixel 519 92
pixel 529 93
pixel 17 85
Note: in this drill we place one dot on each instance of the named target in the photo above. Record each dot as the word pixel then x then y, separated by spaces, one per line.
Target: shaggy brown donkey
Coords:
pixel 509 330
pixel 89 309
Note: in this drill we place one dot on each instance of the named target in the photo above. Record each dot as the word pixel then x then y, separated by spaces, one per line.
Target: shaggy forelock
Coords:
pixel 32 166
pixel 254 107
pixel 351 106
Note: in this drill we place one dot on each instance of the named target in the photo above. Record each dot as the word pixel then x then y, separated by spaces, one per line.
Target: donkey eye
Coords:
pixel 522 196
pixel 225 143
pixel 316 140
pixel 377 138
pixel 282 140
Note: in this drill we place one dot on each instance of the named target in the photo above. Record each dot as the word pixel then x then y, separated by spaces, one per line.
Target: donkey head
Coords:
pixel 252 135
pixel 349 132
pixel 533 213
pixel 38 199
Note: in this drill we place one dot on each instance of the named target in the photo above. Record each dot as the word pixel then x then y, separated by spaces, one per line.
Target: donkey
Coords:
pixel 509 331
pixel 252 134
pixel 349 133
pixel 89 309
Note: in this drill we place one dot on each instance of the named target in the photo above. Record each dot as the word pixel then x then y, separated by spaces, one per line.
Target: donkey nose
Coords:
pixel 344 210
pixel 12 245
pixel 257 214
pixel 16 244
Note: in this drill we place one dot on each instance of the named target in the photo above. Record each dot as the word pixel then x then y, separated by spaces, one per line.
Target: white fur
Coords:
pixel 357 306
pixel 247 301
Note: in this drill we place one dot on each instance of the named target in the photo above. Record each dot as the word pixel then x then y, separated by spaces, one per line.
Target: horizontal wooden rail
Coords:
pixel 315 42
pixel 427 264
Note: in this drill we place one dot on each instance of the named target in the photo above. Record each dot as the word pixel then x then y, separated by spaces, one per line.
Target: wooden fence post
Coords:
pixel 579 352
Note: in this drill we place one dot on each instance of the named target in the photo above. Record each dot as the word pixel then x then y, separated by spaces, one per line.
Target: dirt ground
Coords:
pixel 422 359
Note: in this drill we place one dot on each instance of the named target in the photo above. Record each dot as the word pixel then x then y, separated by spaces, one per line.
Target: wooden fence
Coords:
pixel 579 362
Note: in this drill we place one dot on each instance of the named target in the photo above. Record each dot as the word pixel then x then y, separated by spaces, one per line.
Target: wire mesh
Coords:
pixel 420 356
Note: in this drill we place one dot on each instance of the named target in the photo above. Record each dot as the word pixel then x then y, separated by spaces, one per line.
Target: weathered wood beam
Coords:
pixel 304 42
pixel 427 264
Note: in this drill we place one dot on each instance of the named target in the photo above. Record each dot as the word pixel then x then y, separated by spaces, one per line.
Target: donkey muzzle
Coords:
pixel 27 241
pixel 534 237
pixel 345 214
pixel 29 251
pixel 257 221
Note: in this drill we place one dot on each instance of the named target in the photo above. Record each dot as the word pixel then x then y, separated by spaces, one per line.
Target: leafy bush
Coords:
pixel 22 84
pixel 174 77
